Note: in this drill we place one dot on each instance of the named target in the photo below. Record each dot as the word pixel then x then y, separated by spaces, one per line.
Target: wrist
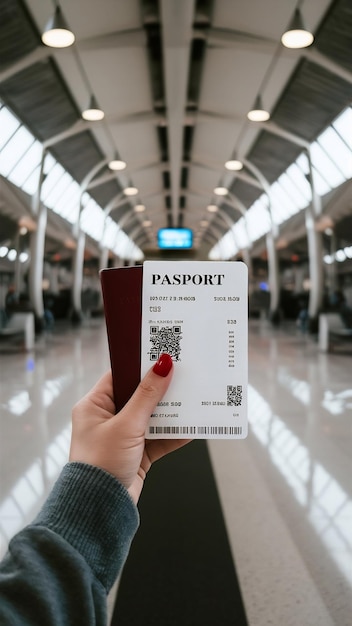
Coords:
pixel 93 512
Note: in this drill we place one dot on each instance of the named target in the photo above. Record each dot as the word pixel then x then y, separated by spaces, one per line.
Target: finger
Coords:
pixel 148 393
pixel 101 396
pixel 104 386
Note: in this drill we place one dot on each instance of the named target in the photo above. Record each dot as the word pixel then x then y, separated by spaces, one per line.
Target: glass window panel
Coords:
pixel 110 233
pixel 49 163
pixel 8 126
pixel 51 180
pixel 26 165
pixel 337 150
pixel 298 178
pixel 122 244
pixel 321 184
pixel 302 162
pixel 241 236
pixel 279 215
pixel 30 185
pixel 283 206
pixel 67 204
pixel 56 193
pixel 325 166
pixel 71 209
pixel 137 254
pixel 85 198
pixel 300 198
pixel 258 219
pixel 14 150
pixel 343 125
pixel 228 245
pixel 92 220
pixel 214 254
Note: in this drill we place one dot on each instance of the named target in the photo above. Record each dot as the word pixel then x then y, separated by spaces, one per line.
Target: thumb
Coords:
pixel 148 393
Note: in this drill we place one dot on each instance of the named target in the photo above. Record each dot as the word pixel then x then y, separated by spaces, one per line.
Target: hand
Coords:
pixel 116 442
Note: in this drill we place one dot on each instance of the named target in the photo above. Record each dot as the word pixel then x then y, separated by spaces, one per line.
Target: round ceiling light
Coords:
pixel 117 165
pixel 297 36
pixel 220 191
pixel 57 34
pixel 130 191
pixel 234 165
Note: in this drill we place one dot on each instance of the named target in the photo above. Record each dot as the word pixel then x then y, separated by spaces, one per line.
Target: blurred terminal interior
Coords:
pixel 188 114
pixel 170 139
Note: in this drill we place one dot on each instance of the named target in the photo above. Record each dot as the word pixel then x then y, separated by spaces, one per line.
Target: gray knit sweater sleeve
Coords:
pixel 59 569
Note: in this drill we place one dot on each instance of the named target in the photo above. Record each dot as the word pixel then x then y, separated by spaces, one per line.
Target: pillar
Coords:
pixel 315 252
pixel 78 277
pixel 37 243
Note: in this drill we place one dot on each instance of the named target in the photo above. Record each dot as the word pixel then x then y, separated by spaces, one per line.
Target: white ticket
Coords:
pixel 197 311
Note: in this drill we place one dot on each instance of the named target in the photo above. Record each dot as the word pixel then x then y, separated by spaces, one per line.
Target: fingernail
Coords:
pixel 163 365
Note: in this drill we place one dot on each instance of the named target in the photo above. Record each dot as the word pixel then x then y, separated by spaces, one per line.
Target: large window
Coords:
pixel 20 158
pixel 331 157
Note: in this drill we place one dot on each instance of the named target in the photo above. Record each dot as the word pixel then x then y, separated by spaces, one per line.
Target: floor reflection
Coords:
pixel 327 505
pixel 37 393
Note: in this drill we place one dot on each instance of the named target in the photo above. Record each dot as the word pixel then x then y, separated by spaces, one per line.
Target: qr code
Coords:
pixel 165 339
pixel 234 395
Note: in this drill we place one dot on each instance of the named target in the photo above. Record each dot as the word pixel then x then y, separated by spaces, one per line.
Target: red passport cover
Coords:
pixel 122 296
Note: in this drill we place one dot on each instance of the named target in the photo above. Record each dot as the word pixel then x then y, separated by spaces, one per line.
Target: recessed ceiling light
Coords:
pixel 234 165
pixel 117 164
pixel 130 191
pixel 220 191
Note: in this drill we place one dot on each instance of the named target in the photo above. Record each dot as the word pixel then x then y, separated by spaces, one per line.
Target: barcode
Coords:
pixel 195 430
pixel 234 395
pixel 165 339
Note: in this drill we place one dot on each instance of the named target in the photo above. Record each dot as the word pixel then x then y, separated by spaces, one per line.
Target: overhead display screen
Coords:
pixel 175 238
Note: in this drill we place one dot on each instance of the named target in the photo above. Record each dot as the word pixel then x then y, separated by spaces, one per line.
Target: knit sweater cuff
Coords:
pixel 93 512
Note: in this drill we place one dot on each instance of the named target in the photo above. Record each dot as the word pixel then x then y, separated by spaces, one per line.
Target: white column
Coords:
pixel 78 276
pixel 315 249
pixel 37 244
pixel 273 270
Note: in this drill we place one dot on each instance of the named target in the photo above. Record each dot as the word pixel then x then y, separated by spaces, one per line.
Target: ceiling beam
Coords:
pixel 131 38
pixel 312 54
pixel 112 175
pixel 225 38
pixel 177 18
pixel 135 118
pixel 273 128
pixel 206 116
pixel 38 54
pixel 77 128
pixel 234 174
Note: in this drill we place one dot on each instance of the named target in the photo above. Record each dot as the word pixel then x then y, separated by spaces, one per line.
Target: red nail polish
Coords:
pixel 163 365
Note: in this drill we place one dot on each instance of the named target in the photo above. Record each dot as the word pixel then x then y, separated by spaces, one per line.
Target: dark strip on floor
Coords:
pixel 180 570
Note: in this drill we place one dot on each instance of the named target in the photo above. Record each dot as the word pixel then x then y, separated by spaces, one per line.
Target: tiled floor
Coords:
pixel 37 392
pixel 286 490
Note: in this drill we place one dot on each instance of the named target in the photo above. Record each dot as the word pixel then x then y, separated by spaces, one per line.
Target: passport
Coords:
pixel 122 298
pixel 196 311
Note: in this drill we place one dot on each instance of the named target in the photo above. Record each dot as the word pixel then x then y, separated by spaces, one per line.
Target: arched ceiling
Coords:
pixel 175 79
